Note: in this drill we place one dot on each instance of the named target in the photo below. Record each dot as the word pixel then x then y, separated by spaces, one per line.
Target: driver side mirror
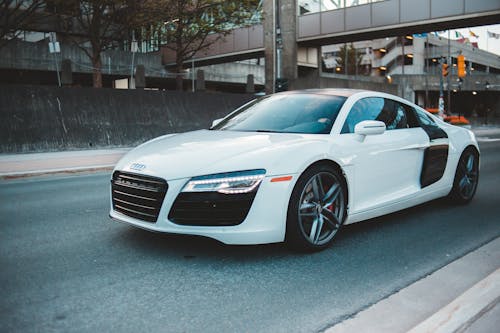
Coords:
pixel 369 127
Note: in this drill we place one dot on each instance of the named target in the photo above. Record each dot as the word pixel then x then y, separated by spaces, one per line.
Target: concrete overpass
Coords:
pixel 393 18
pixel 298 37
pixel 239 44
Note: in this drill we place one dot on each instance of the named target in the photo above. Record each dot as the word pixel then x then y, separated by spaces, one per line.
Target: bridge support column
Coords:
pixel 200 80
pixel 280 23
pixel 66 73
pixel 250 88
pixel 140 77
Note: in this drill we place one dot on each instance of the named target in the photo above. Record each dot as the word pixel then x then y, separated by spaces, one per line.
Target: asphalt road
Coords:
pixel 65 267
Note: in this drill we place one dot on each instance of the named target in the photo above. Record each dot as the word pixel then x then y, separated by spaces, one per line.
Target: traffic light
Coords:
pixel 444 69
pixel 461 66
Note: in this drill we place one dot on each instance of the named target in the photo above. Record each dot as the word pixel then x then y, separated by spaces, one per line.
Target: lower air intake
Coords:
pixel 211 208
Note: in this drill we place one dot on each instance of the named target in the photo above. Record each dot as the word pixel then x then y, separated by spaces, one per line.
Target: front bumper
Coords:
pixel 265 222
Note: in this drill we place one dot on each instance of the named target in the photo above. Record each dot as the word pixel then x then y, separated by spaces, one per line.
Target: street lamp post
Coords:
pixel 448 77
pixel 441 98
pixel 460 82
pixel 133 48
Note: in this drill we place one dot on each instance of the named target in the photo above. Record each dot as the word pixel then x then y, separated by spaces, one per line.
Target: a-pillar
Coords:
pixel 280 22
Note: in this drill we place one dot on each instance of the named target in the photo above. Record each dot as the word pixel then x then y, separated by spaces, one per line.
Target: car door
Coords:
pixel 387 167
pixel 436 155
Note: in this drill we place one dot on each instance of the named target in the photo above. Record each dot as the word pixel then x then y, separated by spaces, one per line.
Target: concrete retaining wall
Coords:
pixel 37 118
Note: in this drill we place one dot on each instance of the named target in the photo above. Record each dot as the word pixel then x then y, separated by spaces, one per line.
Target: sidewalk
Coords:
pixel 463 296
pixel 36 164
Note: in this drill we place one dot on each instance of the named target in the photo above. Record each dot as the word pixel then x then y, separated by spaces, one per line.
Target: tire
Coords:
pixel 317 209
pixel 466 177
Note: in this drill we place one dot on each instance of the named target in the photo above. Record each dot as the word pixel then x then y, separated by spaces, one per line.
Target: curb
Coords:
pixel 462 312
pixel 64 171
pixel 451 299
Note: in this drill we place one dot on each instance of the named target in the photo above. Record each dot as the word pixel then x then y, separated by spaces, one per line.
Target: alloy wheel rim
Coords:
pixel 321 208
pixel 468 181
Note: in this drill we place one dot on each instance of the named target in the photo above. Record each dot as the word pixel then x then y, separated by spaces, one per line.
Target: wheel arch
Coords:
pixel 473 147
pixel 467 147
pixel 455 194
pixel 294 235
pixel 338 168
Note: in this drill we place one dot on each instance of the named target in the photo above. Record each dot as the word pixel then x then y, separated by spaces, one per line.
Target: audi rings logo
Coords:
pixel 138 167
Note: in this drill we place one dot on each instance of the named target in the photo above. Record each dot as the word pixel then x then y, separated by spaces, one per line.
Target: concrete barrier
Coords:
pixel 38 118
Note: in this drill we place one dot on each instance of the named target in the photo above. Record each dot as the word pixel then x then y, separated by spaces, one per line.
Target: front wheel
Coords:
pixel 466 177
pixel 317 209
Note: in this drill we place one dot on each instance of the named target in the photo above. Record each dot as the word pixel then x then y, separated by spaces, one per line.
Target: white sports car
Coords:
pixel 294 167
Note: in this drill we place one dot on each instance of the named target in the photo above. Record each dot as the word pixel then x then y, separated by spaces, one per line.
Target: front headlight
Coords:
pixel 227 183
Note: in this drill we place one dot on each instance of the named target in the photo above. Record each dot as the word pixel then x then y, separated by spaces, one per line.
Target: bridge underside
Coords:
pixel 400 30
pixel 364 22
pixel 369 21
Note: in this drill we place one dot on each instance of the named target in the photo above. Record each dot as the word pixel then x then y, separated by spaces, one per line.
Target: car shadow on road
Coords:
pixel 396 219
pixel 192 247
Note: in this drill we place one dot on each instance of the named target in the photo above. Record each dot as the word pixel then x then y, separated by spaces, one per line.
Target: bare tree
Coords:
pixel 95 26
pixel 17 15
pixel 188 26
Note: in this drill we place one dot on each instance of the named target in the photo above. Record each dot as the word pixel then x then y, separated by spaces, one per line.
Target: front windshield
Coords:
pixel 286 113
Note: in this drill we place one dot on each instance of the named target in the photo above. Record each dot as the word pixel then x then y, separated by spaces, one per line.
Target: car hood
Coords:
pixel 206 152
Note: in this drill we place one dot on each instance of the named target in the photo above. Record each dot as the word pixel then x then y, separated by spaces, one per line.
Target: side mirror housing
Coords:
pixel 369 127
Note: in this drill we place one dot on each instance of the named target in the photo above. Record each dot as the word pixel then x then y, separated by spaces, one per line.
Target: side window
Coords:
pixel 411 116
pixel 401 120
pixel 424 119
pixel 429 125
pixel 392 113
pixel 364 109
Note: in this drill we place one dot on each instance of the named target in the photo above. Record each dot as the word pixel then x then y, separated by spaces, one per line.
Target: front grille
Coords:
pixel 211 208
pixel 138 196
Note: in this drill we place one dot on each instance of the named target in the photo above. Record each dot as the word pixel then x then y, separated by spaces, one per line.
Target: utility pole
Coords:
pixel 280 84
pixel 55 48
pixel 403 81
pixel 192 74
pixel 448 76
pixel 444 73
pixel 426 46
pixel 275 8
pixel 133 48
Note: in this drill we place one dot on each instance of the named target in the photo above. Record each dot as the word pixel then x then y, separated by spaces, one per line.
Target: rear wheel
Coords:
pixel 466 177
pixel 317 209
